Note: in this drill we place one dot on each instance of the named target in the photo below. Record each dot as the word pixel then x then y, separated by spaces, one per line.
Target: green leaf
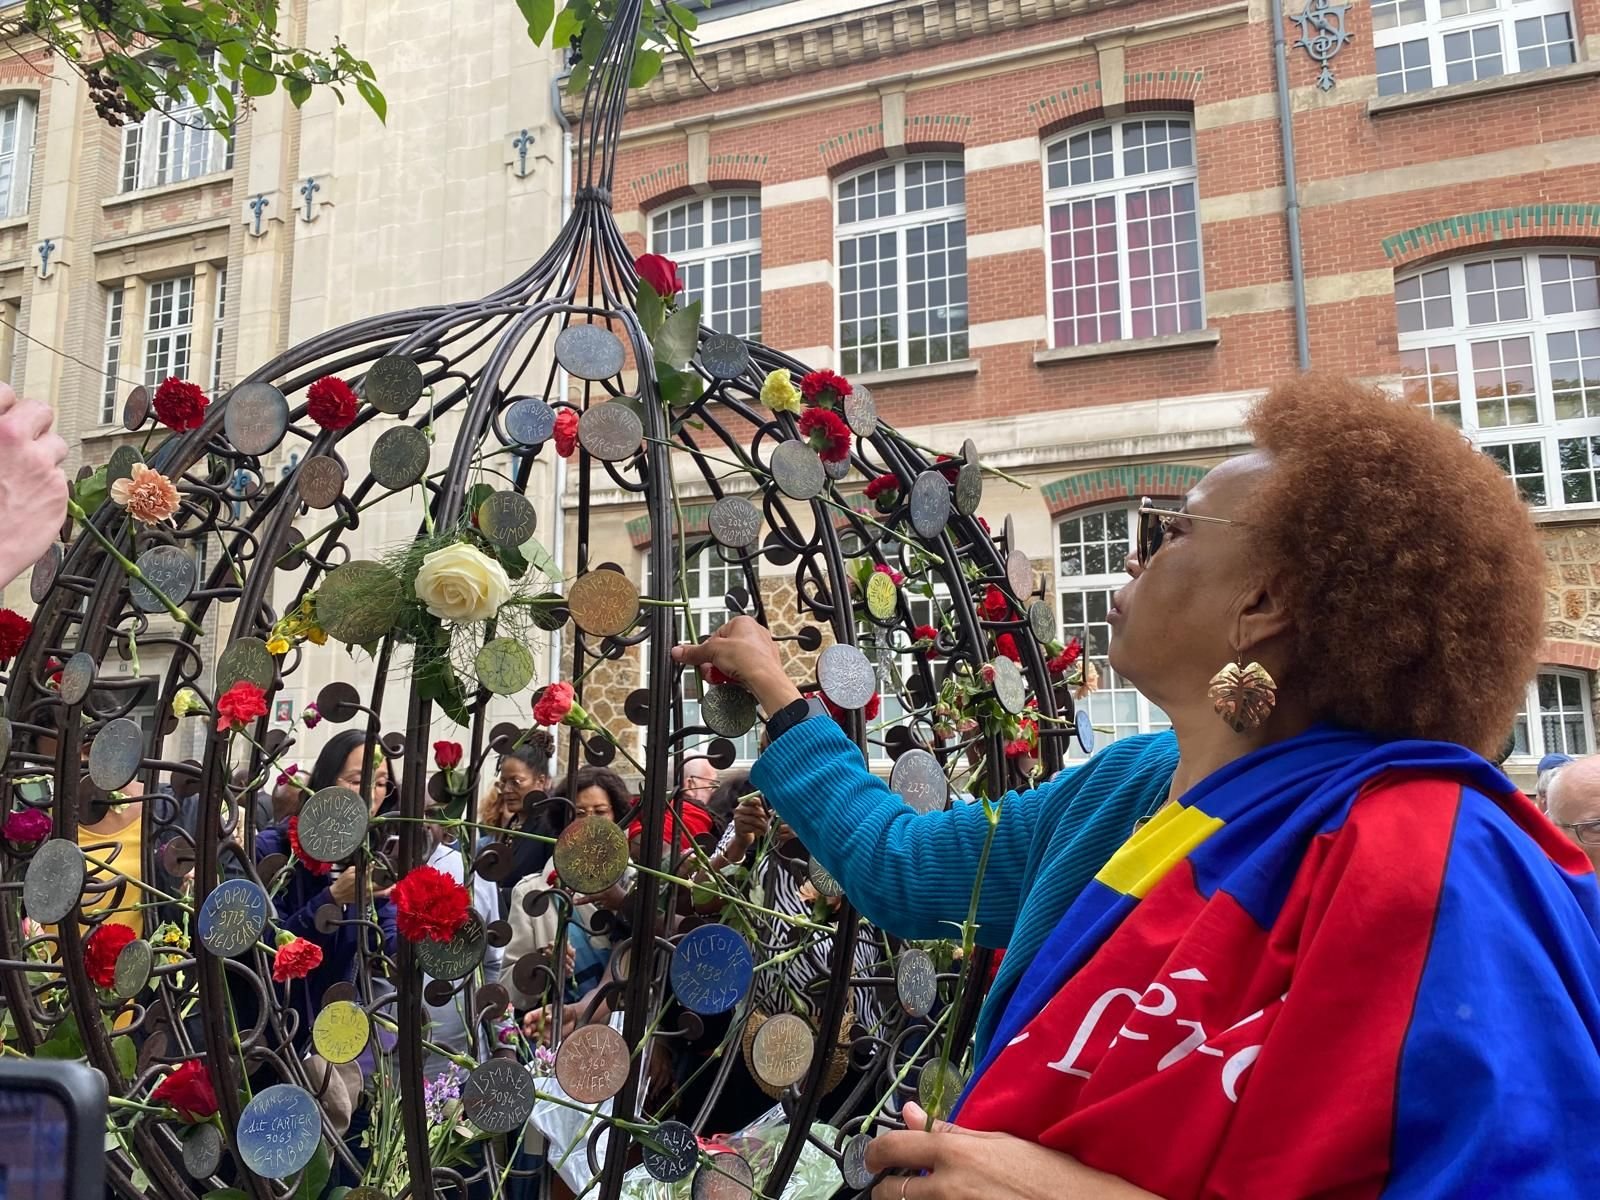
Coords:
pixel 674 343
pixel 646 66
pixel 652 310
pixel 567 24
pixel 66 1042
pixel 579 79
pixel 683 16
pixel 679 389
pixel 126 1054
pixel 539 558
pixel 374 98
pixel 91 493
pixel 299 89
pixel 140 1181
pixel 256 81
pixel 232 54
pixel 315 1177
pixel 539 14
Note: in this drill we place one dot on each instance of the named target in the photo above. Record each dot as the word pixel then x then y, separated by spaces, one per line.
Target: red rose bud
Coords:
pixel 949 467
pixel 447 755
pixel 660 273
pixel 180 405
pixel 716 675
pixel 188 1091
pixel 566 434
pixel 331 403
pixel 930 635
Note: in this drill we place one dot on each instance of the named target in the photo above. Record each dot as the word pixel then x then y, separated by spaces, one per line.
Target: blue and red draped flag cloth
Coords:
pixel 1339 966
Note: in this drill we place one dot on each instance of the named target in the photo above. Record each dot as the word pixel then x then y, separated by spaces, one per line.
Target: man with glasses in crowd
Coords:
pixel 1574 799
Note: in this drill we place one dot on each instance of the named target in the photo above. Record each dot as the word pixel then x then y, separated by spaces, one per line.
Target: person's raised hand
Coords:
pixel 33 488
pixel 343 889
pixel 744 651
pixel 750 824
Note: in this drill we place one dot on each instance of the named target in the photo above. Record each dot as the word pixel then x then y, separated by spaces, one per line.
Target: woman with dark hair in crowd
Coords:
pixel 311 885
pixel 1346 956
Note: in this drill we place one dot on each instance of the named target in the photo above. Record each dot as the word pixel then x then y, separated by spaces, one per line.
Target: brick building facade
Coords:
pixel 1063 230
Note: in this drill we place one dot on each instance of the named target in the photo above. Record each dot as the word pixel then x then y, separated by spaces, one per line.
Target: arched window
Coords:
pixel 1558 717
pixel 902 265
pixel 716 242
pixel 1124 253
pixel 1506 346
pixel 1091 548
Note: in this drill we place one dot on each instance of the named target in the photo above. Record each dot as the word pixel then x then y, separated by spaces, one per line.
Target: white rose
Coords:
pixel 460 583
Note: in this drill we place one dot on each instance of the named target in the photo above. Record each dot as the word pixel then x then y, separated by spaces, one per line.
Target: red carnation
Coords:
pixel 100 952
pixel 447 755
pixel 949 467
pixel 566 432
pixel 1021 748
pixel 14 631
pixel 872 707
pixel 869 710
pixel 295 960
pixel 885 489
pixel 927 633
pixel 429 906
pixel 180 405
pixel 886 569
pixel 554 704
pixel 1063 662
pixel 315 865
pixel 995 605
pixel 331 403
pixel 240 704
pixel 824 388
pixel 1006 646
pixel 826 433
pixel 189 1091
pixel 716 675
pixel 660 273
pixel 984 525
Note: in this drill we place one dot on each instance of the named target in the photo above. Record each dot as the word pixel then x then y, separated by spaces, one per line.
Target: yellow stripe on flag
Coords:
pixel 1166 840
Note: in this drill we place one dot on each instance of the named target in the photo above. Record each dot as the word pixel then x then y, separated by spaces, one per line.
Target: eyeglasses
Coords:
pixel 1155 523
pixel 1585 833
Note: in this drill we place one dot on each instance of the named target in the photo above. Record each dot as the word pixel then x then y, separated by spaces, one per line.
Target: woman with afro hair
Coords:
pixel 1344 956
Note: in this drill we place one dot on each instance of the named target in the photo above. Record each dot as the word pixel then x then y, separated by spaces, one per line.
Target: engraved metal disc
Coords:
pixel 341 1031
pixel 920 781
pixel 781 1051
pixel 612 431
pixel 590 855
pixel 504 666
pixel 1083 726
pixel 44 574
pixel 969 489
pixel 256 418
pixel 939 1087
pixel 916 983
pixel 1010 688
pixel 54 881
pixel 669 1151
pixel 320 481
pixel 861 412
pixel 232 917
pixel 359 602
pixel 136 408
pixel 168 569
pixel 590 351
pixel 5 738
pixel 726 1176
pixel 853 1163
pixel 882 597
pixel 507 519
pixel 115 753
pixel 1042 621
pixel 837 471
pixel 592 1064
pixel 846 676
pixel 823 880
pixel 132 970
pixel 930 504
pixel 393 384
pixel 202 1151
pixel 734 522
pixel 797 471
pixel 333 824
pixel 246 659
pixel 122 462
pixel 604 603
pixel 711 969
pixel 1008 533
pixel 338 702
pixel 529 422
pixel 457 958
pixel 498 1096
pixel 399 458
pixel 1019 574
pixel 77 677
pixel 279 1131
pixel 728 709
pixel 724 356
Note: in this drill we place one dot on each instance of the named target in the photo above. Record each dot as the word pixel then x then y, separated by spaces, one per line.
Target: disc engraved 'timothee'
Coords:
pixel 592 1064
pixel 333 824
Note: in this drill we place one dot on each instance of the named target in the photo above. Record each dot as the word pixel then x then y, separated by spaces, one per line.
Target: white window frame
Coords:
pixel 111 384
pixel 218 319
pixel 1531 743
pixel 168 341
pixel 1434 28
pixel 1118 188
pixel 18 127
pixel 699 218
pixel 1538 327
pixel 900 223
pixel 169 147
pixel 1095 634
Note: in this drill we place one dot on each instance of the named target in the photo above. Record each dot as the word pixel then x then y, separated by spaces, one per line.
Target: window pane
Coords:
pixel 1563 713
pixel 1575 373
pixel 1524 463
pixel 1569 283
pixel 869 340
pixel 936 309
pixel 1431 381
pixel 1423 301
pixel 1390 14
pixel 1545 42
pixel 1083 272
pixel 1403 68
pixel 1472 54
pixel 1503 382
pixel 1580 469
pixel 1163 248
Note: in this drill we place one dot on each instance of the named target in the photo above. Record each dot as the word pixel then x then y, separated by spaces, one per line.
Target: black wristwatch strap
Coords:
pixel 790 715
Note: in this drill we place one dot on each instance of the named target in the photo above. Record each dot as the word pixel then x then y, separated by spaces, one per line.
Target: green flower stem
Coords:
pixel 929 555
pixel 129 567
pixel 987 469
pixel 905 1072
pixel 135 1106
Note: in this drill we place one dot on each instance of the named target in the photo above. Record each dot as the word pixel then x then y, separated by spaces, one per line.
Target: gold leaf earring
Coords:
pixel 1243 695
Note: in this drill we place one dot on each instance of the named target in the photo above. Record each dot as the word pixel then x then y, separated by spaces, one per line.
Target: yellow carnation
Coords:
pixel 779 393
pixel 278 646
pixel 186 703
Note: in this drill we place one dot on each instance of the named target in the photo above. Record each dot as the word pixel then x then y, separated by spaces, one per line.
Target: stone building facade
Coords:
pixel 1066 231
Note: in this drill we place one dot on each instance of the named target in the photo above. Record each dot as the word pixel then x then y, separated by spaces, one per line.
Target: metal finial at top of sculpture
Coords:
pixel 223 1075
